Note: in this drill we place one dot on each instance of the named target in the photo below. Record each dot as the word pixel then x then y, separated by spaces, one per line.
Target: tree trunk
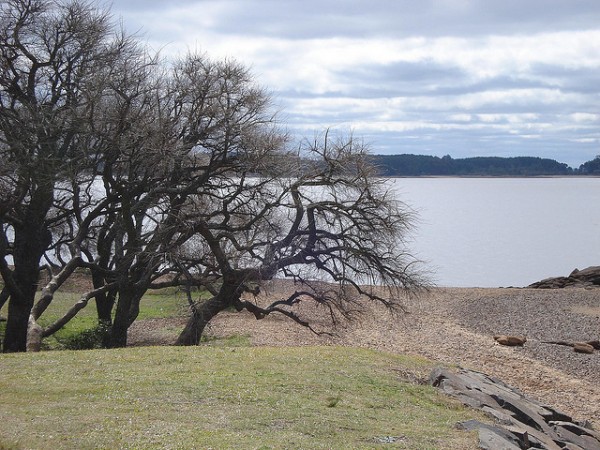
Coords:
pixel 26 258
pixel 19 307
pixel 4 296
pixel 118 331
pixel 128 308
pixel 117 337
pixel 34 335
pixel 105 301
pixel 32 237
pixel 203 314
pixel 104 307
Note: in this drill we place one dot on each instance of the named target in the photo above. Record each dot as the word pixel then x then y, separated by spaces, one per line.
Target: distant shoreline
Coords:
pixel 492 176
pixel 408 165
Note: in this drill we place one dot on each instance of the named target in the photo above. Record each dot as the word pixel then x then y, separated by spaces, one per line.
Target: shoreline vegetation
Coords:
pixel 408 165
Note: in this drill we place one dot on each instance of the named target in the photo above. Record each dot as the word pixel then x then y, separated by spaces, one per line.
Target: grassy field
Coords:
pixel 223 394
pixel 224 397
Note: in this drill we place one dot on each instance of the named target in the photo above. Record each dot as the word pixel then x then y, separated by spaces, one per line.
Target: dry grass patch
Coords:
pixel 224 397
pixel 592 311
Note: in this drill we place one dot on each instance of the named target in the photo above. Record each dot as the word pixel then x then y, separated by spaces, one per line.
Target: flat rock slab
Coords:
pixel 519 422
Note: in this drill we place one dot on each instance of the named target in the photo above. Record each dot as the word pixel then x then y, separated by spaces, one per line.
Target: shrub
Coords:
pixel 87 339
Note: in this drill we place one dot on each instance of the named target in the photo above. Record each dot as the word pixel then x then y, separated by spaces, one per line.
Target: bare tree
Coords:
pixel 149 174
pixel 322 220
pixel 192 125
pixel 53 59
pixel 215 115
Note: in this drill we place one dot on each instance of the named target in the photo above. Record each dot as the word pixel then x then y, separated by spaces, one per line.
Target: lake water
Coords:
pixel 489 232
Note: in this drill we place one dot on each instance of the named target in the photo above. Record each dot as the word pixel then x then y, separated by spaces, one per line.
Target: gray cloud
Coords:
pixel 318 19
pixel 585 80
pixel 310 19
pixel 401 79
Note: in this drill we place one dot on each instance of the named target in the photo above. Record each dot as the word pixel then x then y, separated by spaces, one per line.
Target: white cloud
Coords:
pixel 586 140
pixel 457 68
pixel 585 118
pixel 460 117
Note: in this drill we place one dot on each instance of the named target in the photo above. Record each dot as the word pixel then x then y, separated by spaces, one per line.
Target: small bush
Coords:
pixel 87 339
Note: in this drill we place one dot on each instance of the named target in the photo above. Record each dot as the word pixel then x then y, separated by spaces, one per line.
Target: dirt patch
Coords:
pixel 587 310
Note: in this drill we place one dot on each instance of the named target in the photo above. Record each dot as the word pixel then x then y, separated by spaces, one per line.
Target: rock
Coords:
pixel 575 435
pixel 519 422
pixel 582 347
pixel 493 438
pixel 595 344
pixel 588 277
pixel 579 347
pixel 531 437
pixel 510 341
pixel 550 283
pixel 570 446
pixel 590 274
pixel 490 437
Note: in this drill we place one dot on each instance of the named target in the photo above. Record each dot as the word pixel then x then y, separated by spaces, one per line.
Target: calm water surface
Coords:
pixel 489 232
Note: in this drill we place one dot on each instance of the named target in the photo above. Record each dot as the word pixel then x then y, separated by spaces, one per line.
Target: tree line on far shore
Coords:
pixel 425 165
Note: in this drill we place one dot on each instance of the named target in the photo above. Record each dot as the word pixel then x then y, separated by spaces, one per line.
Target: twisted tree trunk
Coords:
pixel 202 314
pixel 128 308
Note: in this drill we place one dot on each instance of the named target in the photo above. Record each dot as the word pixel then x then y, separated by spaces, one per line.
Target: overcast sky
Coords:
pixel 458 77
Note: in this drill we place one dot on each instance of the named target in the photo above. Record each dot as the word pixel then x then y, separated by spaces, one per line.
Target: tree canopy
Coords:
pixel 591 167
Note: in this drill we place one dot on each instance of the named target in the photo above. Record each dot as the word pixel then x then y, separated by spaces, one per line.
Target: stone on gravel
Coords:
pixel 520 422
pixel 511 341
pixel 582 347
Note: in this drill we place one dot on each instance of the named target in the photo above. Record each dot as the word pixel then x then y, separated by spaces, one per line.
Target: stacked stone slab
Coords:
pixel 519 422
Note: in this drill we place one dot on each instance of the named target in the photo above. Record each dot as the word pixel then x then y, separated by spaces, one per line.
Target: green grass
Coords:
pixel 223 397
pixel 155 304
pixel 163 303
pixel 224 394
